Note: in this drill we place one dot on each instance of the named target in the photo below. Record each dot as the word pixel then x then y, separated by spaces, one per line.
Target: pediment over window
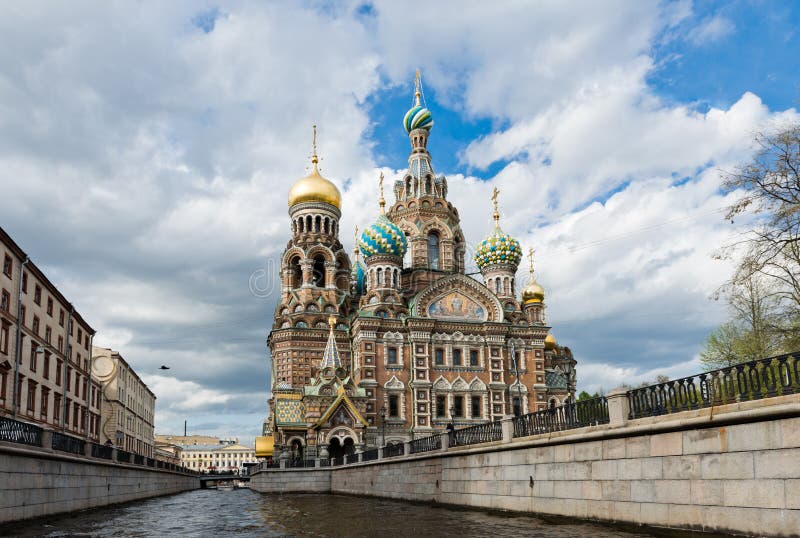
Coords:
pixel 457 298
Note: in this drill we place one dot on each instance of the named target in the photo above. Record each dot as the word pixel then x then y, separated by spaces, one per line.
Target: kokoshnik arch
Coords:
pixel 399 345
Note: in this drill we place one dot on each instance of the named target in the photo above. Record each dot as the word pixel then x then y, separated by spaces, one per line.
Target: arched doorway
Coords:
pixel 297 450
pixel 338 447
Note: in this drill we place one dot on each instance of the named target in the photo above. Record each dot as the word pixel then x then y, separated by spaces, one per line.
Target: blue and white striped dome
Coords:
pixel 383 237
pixel 418 117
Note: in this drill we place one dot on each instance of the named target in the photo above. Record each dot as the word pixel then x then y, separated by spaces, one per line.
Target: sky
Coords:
pixel 146 151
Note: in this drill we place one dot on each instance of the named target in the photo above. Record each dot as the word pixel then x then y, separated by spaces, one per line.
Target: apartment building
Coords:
pixel 128 405
pixel 45 350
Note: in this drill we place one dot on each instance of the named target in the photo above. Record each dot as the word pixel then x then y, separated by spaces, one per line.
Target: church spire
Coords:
pixel 330 359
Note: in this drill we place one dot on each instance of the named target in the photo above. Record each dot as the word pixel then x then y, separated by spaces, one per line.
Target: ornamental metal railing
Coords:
pixel 325 462
pixel 564 417
pixel 100 451
pixel 390 451
pixel 273 464
pixel 754 380
pixel 125 457
pixel 138 459
pixel 480 433
pixel 350 458
pixel 298 463
pixel 67 443
pixel 337 461
pixel 426 444
pixel 369 455
pixel 16 431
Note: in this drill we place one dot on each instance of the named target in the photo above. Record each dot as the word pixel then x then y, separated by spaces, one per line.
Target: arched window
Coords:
pixel 380 277
pixel 308 223
pixel 318 224
pixel 319 271
pixel 297 273
pixel 433 250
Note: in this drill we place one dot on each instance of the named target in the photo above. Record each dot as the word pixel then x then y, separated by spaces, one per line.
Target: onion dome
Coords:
pixel 357 276
pixel 383 237
pixel 533 292
pixel 314 187
pixel 550 341
pixel 418 117
pixel 498 249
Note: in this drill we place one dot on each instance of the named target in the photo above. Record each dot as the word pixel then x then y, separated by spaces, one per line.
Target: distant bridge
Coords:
pixel 207 480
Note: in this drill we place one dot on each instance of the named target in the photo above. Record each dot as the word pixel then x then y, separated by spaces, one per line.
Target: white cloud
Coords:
pixel 149 174
pixel 711 30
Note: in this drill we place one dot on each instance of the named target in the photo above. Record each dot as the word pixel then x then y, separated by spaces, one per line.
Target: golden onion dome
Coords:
pixel 533 293
pixel 315 188
pixel 550 341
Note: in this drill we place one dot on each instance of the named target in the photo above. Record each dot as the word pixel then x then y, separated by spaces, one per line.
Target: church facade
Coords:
pixel 398 341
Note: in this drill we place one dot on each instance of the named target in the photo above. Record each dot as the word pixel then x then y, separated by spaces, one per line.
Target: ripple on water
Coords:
pixel 247 513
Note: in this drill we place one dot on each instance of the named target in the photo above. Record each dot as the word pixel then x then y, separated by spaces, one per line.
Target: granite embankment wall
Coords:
pixel 734 468
pixel 35 483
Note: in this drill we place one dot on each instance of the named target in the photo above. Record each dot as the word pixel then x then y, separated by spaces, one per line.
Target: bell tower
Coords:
pixel 430 223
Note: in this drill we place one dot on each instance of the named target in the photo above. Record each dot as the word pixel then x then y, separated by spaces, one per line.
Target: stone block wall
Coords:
pixel 739 475
pixel 292 481
pixel 35 485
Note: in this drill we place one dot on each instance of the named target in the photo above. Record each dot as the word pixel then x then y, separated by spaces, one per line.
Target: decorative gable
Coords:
pixel 457 298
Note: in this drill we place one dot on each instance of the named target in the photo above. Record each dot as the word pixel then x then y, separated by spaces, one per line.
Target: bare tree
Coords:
pixel 771 185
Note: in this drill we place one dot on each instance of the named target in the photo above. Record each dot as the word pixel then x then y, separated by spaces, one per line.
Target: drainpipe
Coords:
pixel 89 392
pixel 18 354
pixel 67 358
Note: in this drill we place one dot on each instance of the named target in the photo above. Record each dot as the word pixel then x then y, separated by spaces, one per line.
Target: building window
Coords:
pixel 35 325
pixel 394 407
pixel 439 356
pixel 31 396
pixel 458 404
pixel 60 344
pixel 473 357
pixel 44 402
pixel 5 301
pixel 80 336
pixel 37 294
pixel 48 334
pixel 50 306
pixel 46 366
pixel 476 407
pixel 392 355
pixel 61 318
pixel 517 403
pixel 456 357
pixel 33 356
pixel 8 264
pixel 56 408
pixel 441 406
pixel 433 250
pixel 58 372
pixel 69 378
pixel 4 337
pixel 24 282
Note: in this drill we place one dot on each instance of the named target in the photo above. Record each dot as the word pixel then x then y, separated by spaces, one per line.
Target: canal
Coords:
pixel 244 513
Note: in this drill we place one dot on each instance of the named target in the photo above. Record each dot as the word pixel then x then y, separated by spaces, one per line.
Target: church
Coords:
pixel 399 340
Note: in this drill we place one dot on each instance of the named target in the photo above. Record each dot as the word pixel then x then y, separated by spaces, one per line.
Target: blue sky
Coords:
pixel 166 154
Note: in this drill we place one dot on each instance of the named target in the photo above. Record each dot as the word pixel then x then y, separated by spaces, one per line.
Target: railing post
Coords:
pixel 114 454
pixel 507 424
pixel 317 463
pixel 380 453
pixel 87 448
pixel 47 439
pixel 618 407
pixel 406 448
pixel 445 437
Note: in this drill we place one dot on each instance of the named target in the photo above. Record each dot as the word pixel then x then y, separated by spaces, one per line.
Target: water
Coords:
pixel 209 512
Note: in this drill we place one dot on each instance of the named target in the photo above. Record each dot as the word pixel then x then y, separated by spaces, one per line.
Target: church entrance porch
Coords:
pixel 339 447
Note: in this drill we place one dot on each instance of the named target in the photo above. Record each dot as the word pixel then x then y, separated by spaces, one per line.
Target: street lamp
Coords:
pixel 452 413
pixel 383 425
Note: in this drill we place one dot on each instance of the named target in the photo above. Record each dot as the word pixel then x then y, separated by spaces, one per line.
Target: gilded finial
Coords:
pixel 355 242
pixel 417 87
pixel 530 258
pixel 496 215
pixel 381 201
pixel 314 159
